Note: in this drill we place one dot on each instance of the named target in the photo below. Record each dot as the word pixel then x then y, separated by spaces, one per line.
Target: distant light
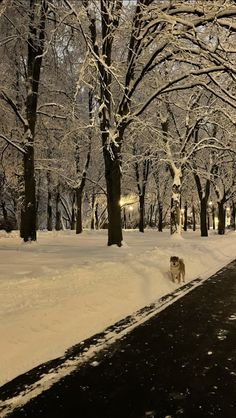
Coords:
pixel 131 208
pixel 210 203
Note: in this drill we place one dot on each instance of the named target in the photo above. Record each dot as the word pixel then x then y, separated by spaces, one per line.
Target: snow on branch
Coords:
pixel 12 143
pixel 11 103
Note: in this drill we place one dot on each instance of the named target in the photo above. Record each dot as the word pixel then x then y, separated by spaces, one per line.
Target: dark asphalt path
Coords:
pixel 180 363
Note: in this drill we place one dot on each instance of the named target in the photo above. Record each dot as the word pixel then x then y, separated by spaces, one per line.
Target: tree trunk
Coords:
pixel 92 225
pixel 79 195
pixel 193 218
pixel 185 216
pixel 73 221
pixel 141 212
pixel 160 216
pixel 29 212
pixel 113 184
pixel 49 211
pixel 96 216
pixel 203 217
pixel 151 210
pixel 221 218
pixel 4 211
pixel 203 196
pixel 213 217
pixel 232 217
pixel 36 38
pixel 58 225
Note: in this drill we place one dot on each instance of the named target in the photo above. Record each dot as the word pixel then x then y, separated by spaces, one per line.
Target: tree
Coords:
pixel 36 21
pixel 171 33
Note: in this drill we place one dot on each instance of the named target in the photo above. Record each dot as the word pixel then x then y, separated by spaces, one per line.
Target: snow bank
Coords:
pixel 65 288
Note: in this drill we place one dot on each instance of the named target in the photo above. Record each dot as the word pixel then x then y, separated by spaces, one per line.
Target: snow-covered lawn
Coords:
pixel 65 288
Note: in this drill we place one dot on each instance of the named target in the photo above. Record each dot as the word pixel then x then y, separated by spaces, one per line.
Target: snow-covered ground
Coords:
pixel 65 288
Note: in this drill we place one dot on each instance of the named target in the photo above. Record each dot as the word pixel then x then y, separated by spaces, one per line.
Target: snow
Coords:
pixel 66 287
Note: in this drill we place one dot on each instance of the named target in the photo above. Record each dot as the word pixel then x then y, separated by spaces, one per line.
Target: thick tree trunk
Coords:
pixel 113 184
pixel 36 38
pixel 79 196
pixel 29 211
pixel 141 212
pixel 175 218
pixel 221 218
pixel 203 218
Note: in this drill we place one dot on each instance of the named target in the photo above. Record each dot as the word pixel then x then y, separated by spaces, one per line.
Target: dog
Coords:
pixel 177 269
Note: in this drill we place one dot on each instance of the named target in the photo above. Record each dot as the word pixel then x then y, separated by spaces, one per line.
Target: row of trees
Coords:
pixel 105 97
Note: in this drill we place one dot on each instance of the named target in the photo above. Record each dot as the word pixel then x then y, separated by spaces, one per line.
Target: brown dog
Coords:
pixel 177 269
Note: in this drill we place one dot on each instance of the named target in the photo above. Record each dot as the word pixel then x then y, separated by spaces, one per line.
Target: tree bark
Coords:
pixel 36 40
pixel 29 211
pixel 232 217
pixel 113 184
pixel 141 213
pixel 79 195
pixel 58 225
pixel 221 218
pixel 160 216
pixel 213 217
pixel 203 217
pixel 203 196
pixel 185 216
pixel 96 216
pixel 193 218
pixel 92 225
pixel 73 217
